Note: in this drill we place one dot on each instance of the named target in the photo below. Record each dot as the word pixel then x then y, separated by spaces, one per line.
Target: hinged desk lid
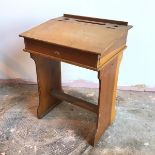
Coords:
pixel 95 35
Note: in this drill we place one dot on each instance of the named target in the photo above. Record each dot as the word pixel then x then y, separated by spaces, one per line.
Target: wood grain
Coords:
pixel 49 78
pixel 82 35
pixel 107 82
pixel 74 100
pixel 76 57
pixel 88 42
pixel 113 106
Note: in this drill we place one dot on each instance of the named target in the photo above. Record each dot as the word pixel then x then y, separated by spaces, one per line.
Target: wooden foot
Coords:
pixel 107 96
pixel 49 79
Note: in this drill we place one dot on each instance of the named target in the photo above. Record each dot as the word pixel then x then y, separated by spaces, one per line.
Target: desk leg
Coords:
pixel 48 78
pixel 108 76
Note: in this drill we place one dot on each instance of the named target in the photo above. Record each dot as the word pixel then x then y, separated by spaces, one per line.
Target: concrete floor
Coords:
pixel 67 128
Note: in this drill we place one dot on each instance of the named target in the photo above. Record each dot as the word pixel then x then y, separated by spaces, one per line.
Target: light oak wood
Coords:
pixel 106 104
pixel 113 107
pixel 49 78
pixel 101 39
pixel 88 42
pixel 74 100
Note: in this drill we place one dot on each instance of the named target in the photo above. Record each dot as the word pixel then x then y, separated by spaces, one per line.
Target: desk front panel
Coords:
pixel 60 53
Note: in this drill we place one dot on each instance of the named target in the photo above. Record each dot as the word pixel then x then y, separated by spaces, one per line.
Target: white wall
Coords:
pixel 138 65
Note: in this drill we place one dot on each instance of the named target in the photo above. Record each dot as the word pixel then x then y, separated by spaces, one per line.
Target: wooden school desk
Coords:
pixel 92 43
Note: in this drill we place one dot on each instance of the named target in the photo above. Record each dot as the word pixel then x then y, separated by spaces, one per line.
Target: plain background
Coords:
pixel 138 64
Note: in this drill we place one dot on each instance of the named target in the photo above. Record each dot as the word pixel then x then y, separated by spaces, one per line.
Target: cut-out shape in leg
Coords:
pixel 48 78
pixel 107 96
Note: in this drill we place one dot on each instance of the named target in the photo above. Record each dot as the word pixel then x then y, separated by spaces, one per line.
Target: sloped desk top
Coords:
pixel 102 38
